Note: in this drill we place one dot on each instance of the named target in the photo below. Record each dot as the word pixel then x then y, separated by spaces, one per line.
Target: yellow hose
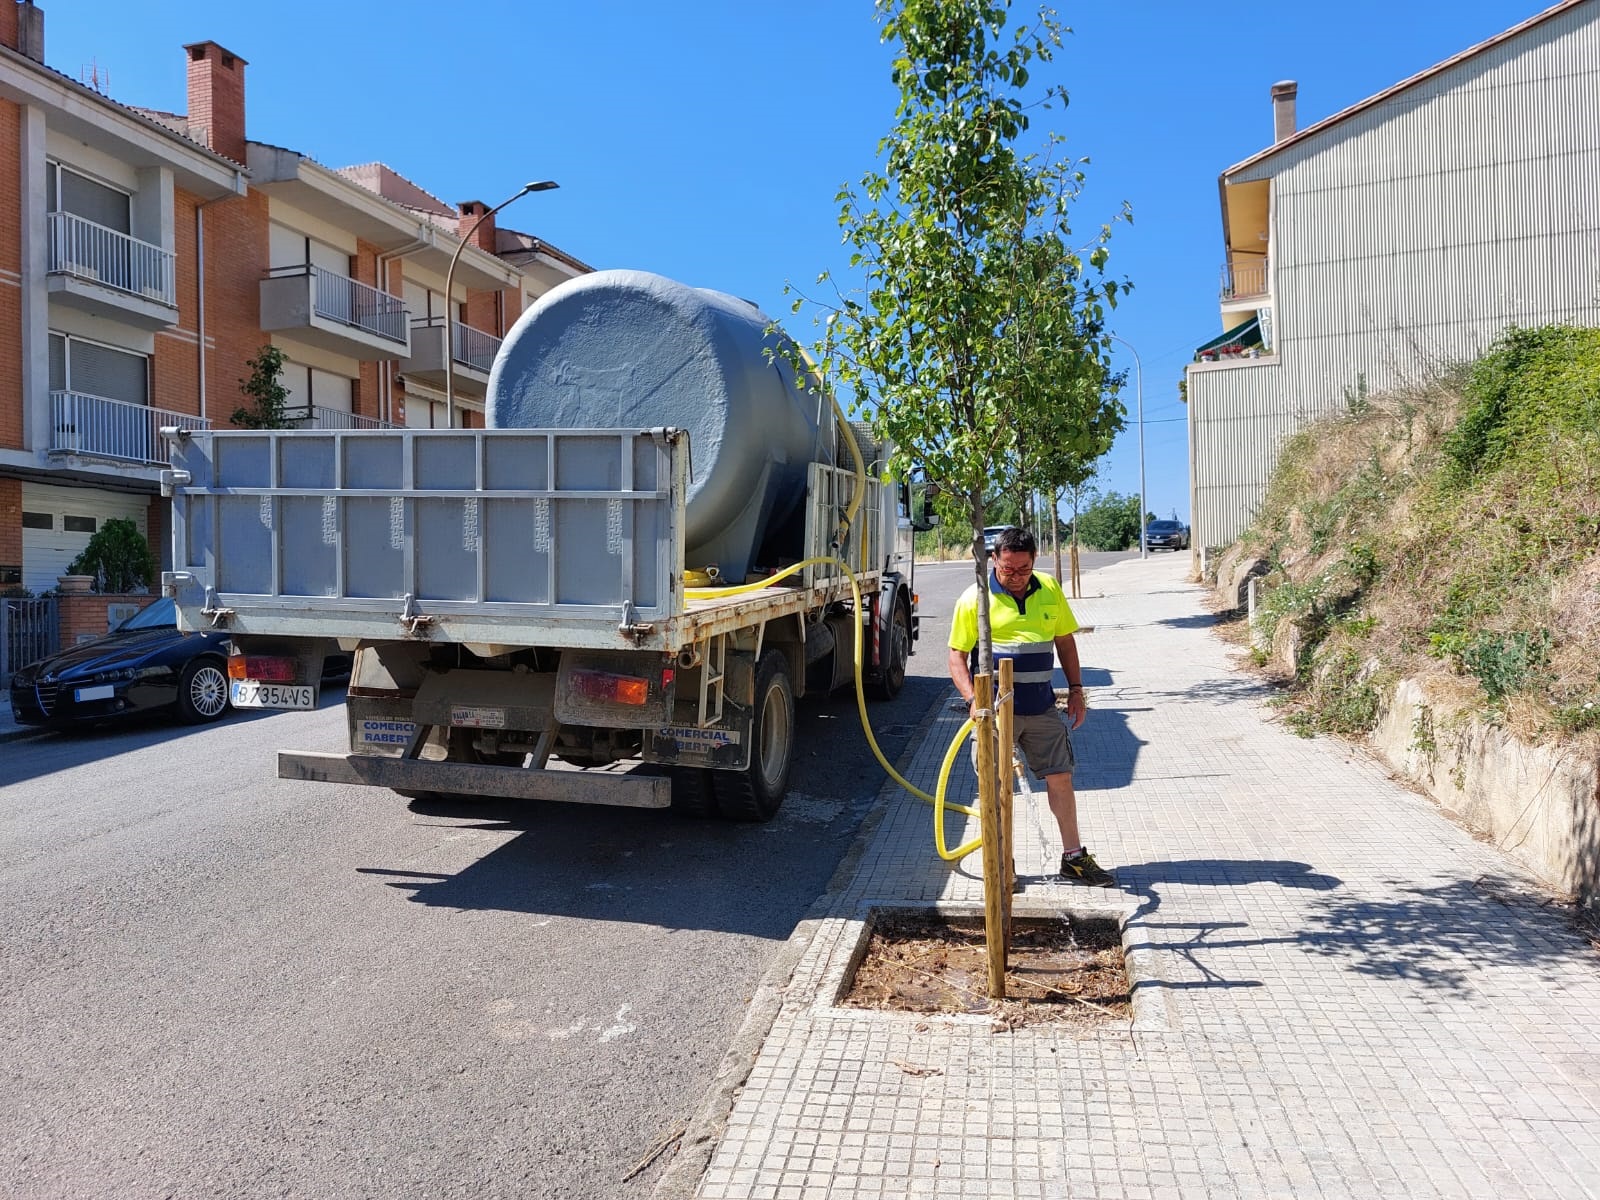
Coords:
pixel 937 799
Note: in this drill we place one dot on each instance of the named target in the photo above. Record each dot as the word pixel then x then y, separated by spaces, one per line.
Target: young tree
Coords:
pixel 264 392
pixel 972 285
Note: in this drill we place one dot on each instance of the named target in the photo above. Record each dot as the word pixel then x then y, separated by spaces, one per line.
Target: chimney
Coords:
pixel 1283 95
pixel 30 30
pixel 469 212
pixel 216 99
pixel 22 28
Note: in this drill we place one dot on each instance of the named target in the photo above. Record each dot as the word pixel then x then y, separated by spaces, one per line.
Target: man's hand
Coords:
pixel 1077 706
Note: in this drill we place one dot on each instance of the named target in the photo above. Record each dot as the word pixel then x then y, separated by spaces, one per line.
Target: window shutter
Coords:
pixel 95 202
pixel 112 374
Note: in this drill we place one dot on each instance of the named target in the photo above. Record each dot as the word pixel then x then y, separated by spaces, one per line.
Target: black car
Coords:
pixel 146 665
pixel 1168 535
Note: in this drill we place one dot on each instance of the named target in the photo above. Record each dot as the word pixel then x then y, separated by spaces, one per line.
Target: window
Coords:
pixel 67 191
pixel 92 369
pixel 38 520
pixel 72 524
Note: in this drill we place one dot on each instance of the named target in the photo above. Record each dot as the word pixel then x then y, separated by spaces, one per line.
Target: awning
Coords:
pixel 1245 336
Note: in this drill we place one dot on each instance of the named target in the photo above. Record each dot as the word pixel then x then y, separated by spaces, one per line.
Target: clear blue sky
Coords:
pixel 706 140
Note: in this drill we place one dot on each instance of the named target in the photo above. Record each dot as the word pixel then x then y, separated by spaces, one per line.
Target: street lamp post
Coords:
pixel 543 185
pixel 1138 391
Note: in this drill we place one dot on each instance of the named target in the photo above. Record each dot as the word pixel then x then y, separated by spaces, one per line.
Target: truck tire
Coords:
pixel 756 793
pixel 691 792
pixel 891 676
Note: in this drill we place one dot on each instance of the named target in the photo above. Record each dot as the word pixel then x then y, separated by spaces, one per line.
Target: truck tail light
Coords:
pixel 606 687
pixel 261 667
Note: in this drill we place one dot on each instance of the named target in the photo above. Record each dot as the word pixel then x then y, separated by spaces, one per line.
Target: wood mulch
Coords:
pixel 1058 972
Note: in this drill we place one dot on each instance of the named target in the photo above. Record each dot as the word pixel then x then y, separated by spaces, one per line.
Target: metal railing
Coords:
pixel 1247 277
pixel 316 416
pixel 340 298
pixel 29 631
pixel 84 424
pixel 473 347
pixel 88 251
pixel 470 347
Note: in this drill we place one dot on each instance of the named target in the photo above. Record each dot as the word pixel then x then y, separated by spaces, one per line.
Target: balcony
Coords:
pixel 333 312
pixel 316 416
pixel 113 429
pixel 473 352
pixel 109 274
pixel 1245 280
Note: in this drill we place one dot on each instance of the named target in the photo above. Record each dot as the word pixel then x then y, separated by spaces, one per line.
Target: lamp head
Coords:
pixel 543 185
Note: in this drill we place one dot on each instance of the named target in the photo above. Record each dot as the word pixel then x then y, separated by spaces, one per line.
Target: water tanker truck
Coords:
pixel 613 594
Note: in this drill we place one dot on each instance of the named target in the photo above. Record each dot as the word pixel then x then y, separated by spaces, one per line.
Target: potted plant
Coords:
pixel 117 559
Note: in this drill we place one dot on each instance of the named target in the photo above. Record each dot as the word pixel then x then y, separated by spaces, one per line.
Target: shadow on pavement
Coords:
pixel 1197 621
pixel 636 866
pixel 1442 937
pixel 655 867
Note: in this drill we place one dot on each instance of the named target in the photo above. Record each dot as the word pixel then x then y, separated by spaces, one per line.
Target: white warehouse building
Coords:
pixel 1406 232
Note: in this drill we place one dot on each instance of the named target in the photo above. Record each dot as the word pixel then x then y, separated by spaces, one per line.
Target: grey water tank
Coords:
pixel 627 349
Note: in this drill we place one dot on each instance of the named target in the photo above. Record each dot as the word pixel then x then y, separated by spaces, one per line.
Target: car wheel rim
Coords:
pixel 208 692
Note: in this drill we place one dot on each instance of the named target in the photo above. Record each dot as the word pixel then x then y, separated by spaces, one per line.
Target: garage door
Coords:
pixel 57 523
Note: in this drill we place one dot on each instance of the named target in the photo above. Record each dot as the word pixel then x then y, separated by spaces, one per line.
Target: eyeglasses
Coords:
pixel 1013 572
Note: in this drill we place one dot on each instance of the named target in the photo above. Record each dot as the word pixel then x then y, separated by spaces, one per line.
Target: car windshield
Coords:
pixel 1164 527
pixel 163 614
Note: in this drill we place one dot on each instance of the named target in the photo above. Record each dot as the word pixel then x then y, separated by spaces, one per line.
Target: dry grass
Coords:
pixel 1506 556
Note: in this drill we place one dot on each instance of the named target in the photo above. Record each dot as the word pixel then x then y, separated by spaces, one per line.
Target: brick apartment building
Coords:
pixel 146 257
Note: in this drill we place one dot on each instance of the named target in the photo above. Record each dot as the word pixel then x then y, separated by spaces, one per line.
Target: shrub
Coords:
pixel 1506 663
pixel 118 557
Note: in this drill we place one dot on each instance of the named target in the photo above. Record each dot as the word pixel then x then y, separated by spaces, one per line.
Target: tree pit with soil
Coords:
pixel 1060 971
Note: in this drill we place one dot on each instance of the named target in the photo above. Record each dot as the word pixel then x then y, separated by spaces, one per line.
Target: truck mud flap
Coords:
pixel 519 783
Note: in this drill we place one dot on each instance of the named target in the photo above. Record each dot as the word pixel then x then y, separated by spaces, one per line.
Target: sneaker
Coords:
pixel 1082 868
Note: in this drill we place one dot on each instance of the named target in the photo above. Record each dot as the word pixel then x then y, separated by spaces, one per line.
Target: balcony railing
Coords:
pixel 473 347
pixel 1247 277
pixel 84 424
pixel 316 416
pixel 469 347
pixel 339 298
pixel 88 251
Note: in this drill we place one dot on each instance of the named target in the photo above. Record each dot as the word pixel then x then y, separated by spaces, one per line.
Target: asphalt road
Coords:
pixel 217 983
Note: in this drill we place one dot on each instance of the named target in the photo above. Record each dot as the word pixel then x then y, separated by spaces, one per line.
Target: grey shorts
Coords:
pixel 1045 744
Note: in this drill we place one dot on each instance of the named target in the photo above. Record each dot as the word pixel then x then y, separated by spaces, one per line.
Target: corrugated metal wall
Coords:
pixel 1409 236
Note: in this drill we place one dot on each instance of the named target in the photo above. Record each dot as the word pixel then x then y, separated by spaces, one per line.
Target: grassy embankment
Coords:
pixel 1448 533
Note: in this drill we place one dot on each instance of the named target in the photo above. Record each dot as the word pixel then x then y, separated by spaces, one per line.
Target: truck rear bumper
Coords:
pixel 519 783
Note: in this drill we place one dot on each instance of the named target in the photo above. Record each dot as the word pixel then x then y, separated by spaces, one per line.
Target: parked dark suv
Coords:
pixel 1166 535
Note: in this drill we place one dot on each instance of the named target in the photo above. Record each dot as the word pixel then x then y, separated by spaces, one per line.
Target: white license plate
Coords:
pixel 103 692
pixel 251 693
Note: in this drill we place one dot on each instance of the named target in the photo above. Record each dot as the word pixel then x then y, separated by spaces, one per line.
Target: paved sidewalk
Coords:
pixel 1341 993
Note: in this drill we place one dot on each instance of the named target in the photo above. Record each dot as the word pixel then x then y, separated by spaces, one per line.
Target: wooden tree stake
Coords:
pixel 994 876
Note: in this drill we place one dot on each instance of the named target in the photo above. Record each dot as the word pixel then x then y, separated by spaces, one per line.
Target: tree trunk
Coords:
pixel 1055 532
pixel 980 571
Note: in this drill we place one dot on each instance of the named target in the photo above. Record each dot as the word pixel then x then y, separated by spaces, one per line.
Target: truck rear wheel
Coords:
pixel 756 793
pixel 891 676
pixel 691 792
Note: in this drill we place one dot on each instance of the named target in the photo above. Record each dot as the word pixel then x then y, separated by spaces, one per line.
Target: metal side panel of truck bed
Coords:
pixel 483 537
